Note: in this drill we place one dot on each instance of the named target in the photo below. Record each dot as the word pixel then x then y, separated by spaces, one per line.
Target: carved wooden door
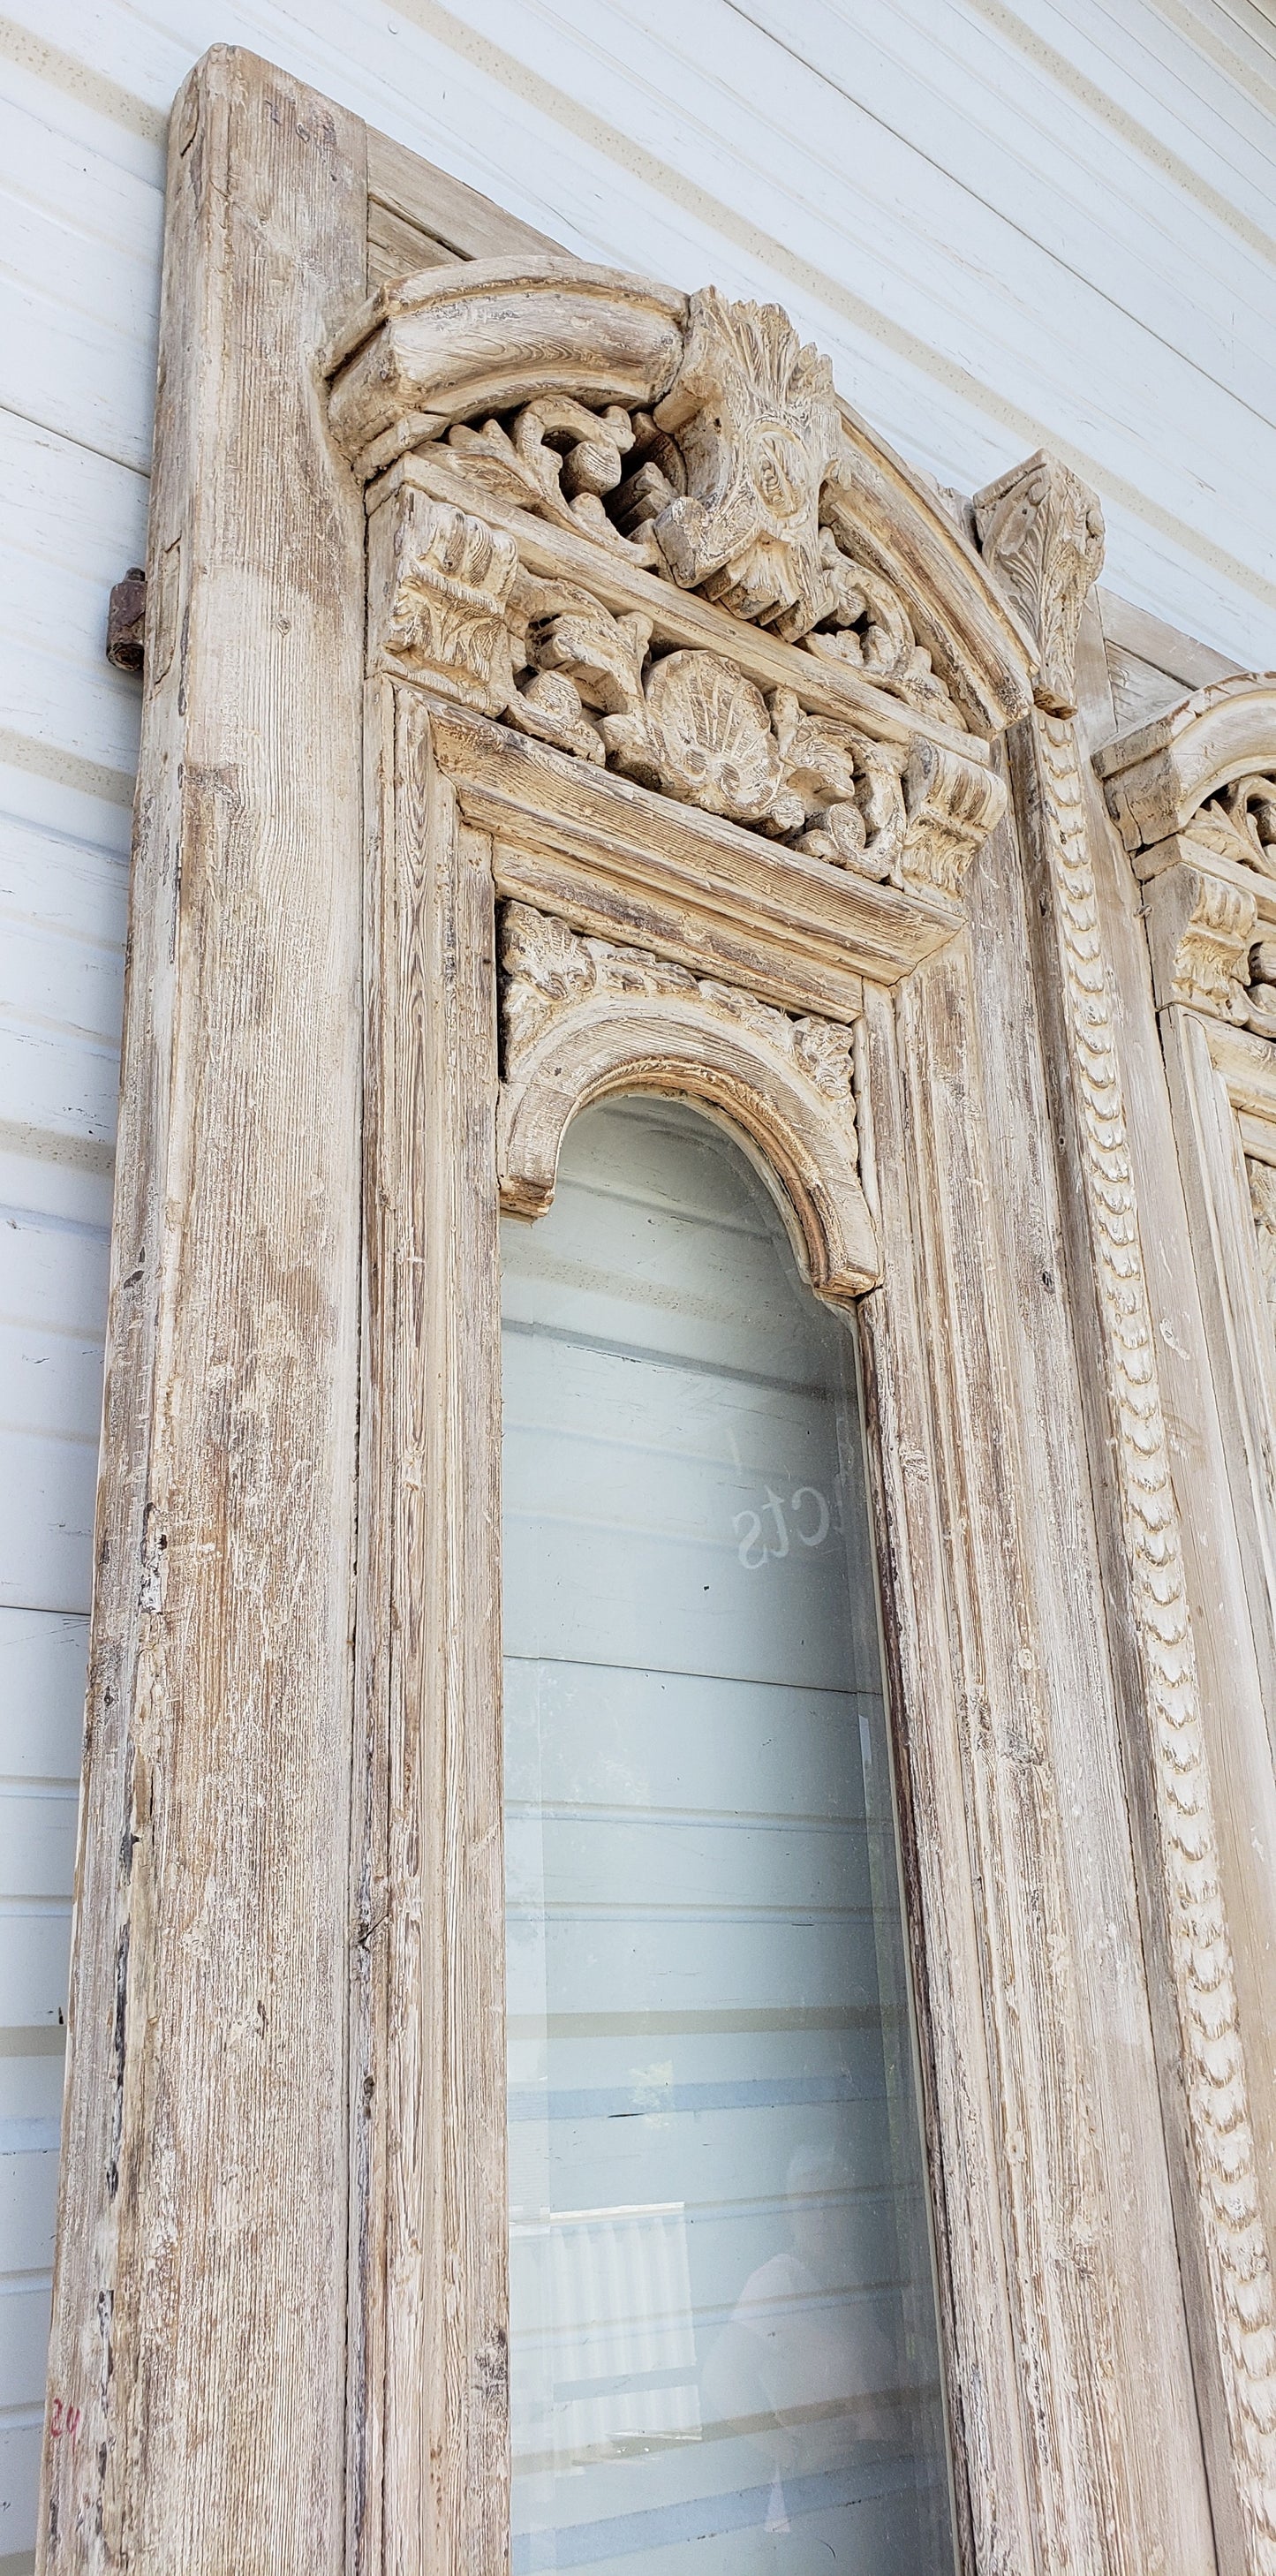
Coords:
pixel 556 693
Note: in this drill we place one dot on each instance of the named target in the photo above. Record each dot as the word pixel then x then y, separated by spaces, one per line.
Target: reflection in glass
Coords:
pixel 723 2339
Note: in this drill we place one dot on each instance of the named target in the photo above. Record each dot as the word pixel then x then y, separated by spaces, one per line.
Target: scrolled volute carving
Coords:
pixel 1240 824
pixel 1041 531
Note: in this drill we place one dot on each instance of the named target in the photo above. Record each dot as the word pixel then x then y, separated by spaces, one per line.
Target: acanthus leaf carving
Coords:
pixel 697 438
pixel 1201 928
pixel 463 617
pixel 1239 824
pixel 548 968
pixel 1041 531
pixel 447 619
pixel 867 627
pixel 691 725
pixel 853 805
pixel 558 460
pixel 565 465
pixel 1193 796
pixel 755 417
pixel 951 806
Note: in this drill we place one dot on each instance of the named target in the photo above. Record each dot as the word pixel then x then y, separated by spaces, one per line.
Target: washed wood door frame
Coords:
pixel 771 866
pixel 1191 798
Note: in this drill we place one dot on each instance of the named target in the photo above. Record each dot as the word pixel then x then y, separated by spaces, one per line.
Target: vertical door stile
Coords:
pixel 434 2470
pixel 198 2338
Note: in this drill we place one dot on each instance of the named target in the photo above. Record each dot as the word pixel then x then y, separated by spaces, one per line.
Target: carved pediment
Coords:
pixel 699 440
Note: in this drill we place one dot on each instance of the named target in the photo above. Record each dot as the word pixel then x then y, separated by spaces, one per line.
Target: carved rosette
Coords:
pixel 1043 532
pixel 1042 535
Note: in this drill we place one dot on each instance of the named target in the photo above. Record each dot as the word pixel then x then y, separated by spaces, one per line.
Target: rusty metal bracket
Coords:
pixel 126 621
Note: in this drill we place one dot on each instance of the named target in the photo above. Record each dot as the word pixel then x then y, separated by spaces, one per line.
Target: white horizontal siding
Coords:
pixel 1047 221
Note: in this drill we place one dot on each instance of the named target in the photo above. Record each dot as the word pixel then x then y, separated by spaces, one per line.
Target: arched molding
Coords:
pixel 1160 780
pixel 1193 796
pixel 583 1019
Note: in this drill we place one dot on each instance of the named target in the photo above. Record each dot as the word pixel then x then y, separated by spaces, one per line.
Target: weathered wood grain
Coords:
pixel 430 2432
pixel 288 2016
pixel 442 209
pixel 198 2333
pixel 1047 2158
pixel 1175 1611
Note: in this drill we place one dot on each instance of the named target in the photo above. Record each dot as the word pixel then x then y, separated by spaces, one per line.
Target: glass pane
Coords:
pixel 723 2337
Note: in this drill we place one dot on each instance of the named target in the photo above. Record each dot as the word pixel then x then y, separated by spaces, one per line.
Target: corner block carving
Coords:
pixel 447 620
pixel 1200 930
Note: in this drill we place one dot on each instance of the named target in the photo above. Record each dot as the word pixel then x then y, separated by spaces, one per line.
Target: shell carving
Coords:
pixel 705 734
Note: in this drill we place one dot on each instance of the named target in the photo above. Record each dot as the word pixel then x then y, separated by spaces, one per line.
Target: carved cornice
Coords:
pixel 457 342
pixel 1206 771
pixel 1041 532
pixel 583 1016
pixel 454 610
pixel 697 439
pixel 1194 798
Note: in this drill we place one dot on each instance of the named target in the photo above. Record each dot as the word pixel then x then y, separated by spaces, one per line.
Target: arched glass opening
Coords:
pixel 723 2331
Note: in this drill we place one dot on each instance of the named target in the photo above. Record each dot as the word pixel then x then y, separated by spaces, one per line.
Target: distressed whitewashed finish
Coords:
pixel 742 896
pixel 1149 174
pixel 1183 1866
pixel 207 2053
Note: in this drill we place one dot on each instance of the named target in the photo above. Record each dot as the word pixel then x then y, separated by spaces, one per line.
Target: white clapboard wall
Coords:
pixel 1008 221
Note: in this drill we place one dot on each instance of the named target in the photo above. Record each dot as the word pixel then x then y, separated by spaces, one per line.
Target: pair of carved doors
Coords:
pixel 555 692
